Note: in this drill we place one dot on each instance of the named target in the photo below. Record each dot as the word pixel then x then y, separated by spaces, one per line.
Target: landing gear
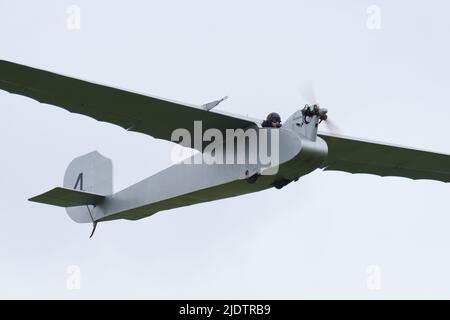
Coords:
pixel 253 178
pixel 281 183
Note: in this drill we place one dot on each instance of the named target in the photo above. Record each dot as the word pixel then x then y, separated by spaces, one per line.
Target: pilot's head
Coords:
pixel 274 120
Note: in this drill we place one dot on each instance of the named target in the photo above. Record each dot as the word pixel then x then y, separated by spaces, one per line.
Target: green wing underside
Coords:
pixel 359 156
pixel 159 118
pixel 132 111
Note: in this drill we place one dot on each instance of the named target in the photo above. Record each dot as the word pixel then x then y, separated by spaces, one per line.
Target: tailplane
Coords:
pixel 87 181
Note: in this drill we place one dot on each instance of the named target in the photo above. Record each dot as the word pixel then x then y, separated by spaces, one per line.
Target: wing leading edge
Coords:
pixel 132 111
pixel 359 156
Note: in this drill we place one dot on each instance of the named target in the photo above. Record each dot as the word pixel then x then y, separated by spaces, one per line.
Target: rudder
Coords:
pixel 91 173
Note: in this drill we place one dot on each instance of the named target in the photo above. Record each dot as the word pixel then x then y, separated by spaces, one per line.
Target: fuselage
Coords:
pixel 299 151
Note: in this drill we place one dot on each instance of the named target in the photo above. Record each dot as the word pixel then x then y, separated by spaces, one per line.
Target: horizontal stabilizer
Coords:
pixel 63 197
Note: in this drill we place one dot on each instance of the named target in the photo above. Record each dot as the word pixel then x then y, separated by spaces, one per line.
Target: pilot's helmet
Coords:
pixel 273 117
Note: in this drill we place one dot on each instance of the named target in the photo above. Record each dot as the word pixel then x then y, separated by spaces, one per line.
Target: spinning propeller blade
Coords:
pixel 308 93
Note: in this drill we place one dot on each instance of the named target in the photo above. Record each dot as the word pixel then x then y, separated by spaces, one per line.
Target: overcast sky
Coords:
pixel 383 75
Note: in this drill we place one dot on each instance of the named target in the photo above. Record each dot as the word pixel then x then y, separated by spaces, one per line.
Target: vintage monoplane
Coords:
pixel 87 192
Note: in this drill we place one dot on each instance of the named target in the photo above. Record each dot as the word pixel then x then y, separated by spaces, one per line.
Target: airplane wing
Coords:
pixel 359 156
pixel 132 111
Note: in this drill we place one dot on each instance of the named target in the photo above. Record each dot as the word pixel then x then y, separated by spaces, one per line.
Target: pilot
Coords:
pixel 273 120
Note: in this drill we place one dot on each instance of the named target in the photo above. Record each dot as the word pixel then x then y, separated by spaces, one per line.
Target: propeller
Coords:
pixel 308 93
pixel 331 125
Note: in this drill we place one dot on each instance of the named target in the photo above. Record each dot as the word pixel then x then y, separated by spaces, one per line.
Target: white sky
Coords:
pixel 316 238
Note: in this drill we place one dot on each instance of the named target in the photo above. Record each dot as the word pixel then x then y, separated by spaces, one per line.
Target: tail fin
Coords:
pixel 91 173
pixel 88 179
